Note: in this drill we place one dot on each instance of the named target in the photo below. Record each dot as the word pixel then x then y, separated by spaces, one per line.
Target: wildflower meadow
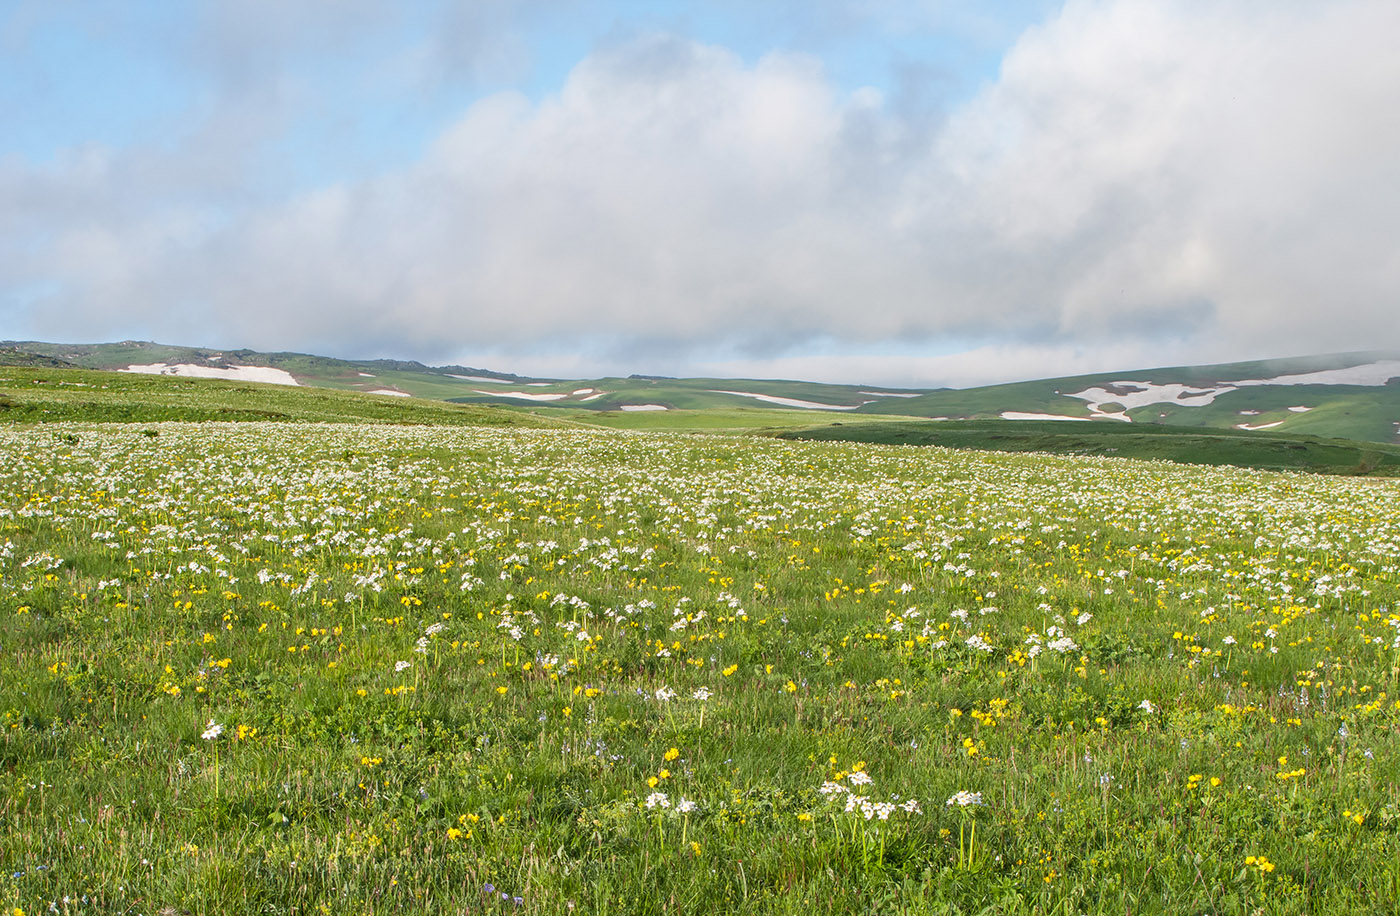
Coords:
pixel 299 668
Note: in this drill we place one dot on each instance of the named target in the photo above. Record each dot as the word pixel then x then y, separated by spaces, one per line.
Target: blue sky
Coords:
pixel 868 190
pixel 376 91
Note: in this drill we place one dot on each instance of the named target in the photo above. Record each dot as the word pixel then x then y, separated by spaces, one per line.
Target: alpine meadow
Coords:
pixel 339 668
pixel 692 458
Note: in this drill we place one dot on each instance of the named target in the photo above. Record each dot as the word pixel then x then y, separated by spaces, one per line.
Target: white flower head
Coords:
pixel 965 799
pixel 860 778
pixel 400 666
pixel 1147 707
pixel 658 800
pixel 212 731
pixel 701 693
pixel 685 806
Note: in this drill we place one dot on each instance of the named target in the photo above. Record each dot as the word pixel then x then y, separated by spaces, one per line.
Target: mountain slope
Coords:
pixel 1352 395
pixel 1348 395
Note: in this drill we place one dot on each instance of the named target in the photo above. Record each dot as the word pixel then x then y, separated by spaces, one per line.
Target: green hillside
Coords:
pixel 760 420
pixel 1351 402
pixel 40 395
pixel 1229 396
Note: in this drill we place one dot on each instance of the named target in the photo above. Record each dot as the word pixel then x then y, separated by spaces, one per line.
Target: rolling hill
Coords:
pixel 1349 395
pixel 43 394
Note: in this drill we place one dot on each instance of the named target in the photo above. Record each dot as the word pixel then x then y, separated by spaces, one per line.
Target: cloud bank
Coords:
pixel 1145 182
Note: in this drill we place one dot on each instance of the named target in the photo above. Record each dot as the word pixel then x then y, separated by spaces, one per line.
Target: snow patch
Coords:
pixel 1258 426
pixel 892 394
pixel 593 397
pixel 1019 415
pixel 1300 409
pixel 366 375
pixel 522 395
pixel 791 402
pixel 1370 374
pixel 636 407
pixel 585 391
pixel 479 378
pixel 264 374
pixel 391 392
pixel 1131 394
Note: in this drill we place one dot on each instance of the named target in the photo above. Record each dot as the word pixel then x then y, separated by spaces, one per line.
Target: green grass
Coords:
pixel 1260 449
pixel 713 419
pixel 45 395
pixel 987 401
pixel 452 663
pixel 692 394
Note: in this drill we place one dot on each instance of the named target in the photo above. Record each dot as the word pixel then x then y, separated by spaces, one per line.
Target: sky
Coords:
pixel 921 193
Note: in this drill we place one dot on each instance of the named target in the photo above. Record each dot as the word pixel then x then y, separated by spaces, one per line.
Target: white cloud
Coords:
pixel 1138 159
pixel 1147 182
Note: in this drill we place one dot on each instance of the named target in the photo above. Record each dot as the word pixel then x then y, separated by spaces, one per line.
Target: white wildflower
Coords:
pixel 975 641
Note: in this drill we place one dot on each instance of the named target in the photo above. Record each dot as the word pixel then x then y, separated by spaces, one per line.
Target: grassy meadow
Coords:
pixel 1268 450
pixel 332 668
pixel 54 395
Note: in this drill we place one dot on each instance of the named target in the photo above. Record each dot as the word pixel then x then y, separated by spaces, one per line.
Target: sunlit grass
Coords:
pixel 459 670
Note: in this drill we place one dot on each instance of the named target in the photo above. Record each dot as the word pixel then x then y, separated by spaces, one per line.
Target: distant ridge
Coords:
pixel 1349 395
pixel 14 355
